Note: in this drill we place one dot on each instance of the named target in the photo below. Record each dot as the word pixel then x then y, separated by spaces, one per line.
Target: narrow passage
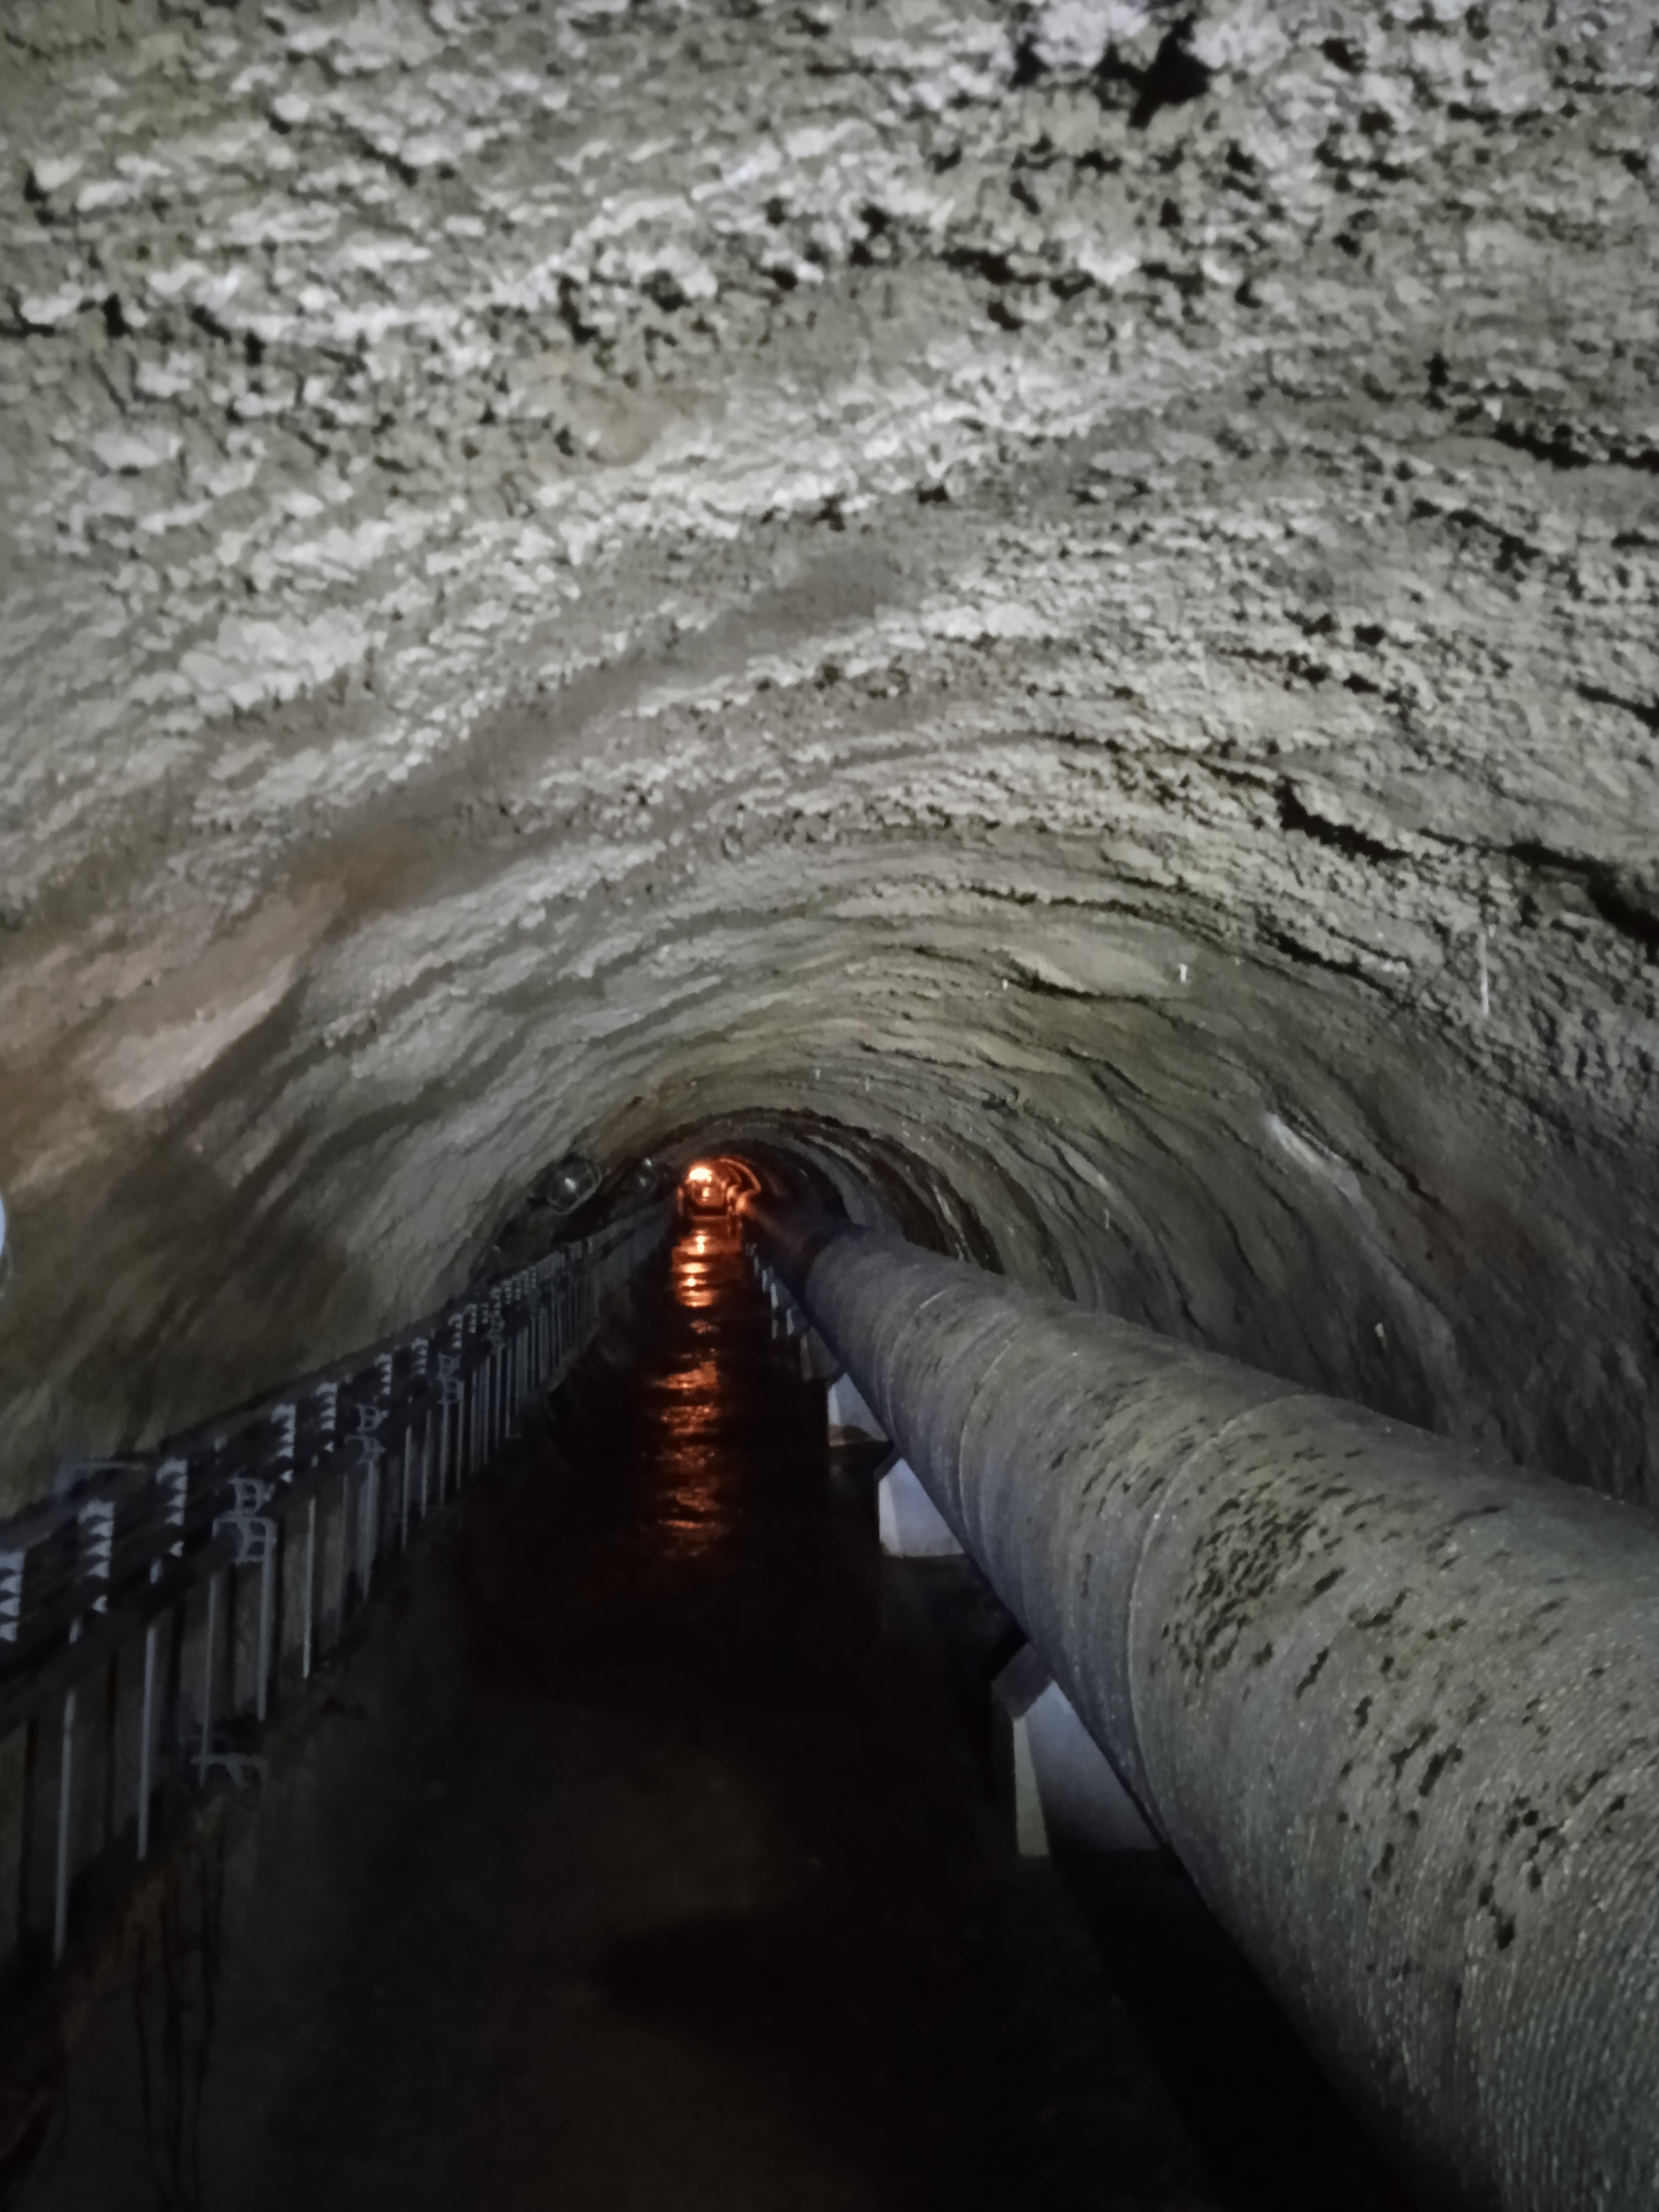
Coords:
pixel 689 1889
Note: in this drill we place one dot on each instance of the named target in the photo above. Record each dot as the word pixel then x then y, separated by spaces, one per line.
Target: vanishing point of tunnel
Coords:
pixel 692 1891
pixel 1023 627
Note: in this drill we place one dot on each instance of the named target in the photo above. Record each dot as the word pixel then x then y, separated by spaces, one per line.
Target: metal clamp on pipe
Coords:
pixel 1396 1709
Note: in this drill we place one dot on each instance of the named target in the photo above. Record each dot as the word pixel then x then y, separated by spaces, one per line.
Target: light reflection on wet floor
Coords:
pixel 717 1448
pixel 701 1902
pixel 692 1410
pixel 693 1272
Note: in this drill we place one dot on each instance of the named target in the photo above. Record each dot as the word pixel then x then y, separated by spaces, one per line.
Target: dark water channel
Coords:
pixel 697 1893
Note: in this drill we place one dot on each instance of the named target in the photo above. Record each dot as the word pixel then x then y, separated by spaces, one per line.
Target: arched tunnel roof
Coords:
pixel 1045 609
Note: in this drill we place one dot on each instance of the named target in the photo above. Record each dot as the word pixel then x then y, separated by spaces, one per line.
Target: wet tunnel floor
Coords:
pixel 704 1897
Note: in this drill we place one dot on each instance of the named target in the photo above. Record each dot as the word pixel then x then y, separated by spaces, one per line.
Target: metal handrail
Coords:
pixel 205 1579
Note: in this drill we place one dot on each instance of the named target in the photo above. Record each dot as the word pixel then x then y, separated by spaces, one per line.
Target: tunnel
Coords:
pixel 667 658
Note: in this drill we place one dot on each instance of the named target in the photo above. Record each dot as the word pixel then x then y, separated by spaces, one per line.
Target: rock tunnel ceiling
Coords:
pixel 1053 605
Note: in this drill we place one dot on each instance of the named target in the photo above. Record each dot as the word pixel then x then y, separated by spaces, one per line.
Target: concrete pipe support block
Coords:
pixel 912 1527
pixel 818 1363
pixel 1065 1791
pixel 850 1421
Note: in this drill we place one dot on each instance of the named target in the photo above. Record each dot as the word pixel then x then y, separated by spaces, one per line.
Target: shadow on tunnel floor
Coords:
pixel 1076 1949
pixel 702 1900
pixel 1272 2130
pixel 1273 2135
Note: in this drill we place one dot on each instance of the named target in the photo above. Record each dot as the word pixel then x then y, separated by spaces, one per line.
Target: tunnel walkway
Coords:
pixel 699 1897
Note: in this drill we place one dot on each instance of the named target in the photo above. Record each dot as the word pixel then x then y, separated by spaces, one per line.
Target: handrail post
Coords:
pixel 160 1545
pixel 65 1812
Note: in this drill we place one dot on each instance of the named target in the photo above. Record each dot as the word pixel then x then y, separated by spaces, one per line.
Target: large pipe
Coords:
pixel 1395 1709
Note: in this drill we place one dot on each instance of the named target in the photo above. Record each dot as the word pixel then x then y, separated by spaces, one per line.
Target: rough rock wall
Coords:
pixel 1060 595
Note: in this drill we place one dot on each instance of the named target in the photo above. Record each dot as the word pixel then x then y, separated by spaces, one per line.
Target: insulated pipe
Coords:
pixel 1395 1709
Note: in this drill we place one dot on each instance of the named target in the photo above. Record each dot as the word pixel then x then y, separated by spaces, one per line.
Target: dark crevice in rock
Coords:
pixel 1174 77
pixel 1562 447
pixel 984 262
pixel 1514 551
pixel 1646 711
pixel 206 320
pixel 1306 956
pixel 1622 899
pixel 1557 450
pixel 1028 66
pixel 1630 906
pixel 1295 814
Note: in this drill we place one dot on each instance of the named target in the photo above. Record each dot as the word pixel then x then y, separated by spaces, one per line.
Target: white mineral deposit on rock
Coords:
pixel 1038 585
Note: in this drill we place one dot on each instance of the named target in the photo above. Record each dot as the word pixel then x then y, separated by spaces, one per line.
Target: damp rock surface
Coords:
pixel 1053 603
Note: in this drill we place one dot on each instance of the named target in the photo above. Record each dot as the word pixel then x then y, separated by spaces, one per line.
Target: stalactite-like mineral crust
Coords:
pixel 1059 600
